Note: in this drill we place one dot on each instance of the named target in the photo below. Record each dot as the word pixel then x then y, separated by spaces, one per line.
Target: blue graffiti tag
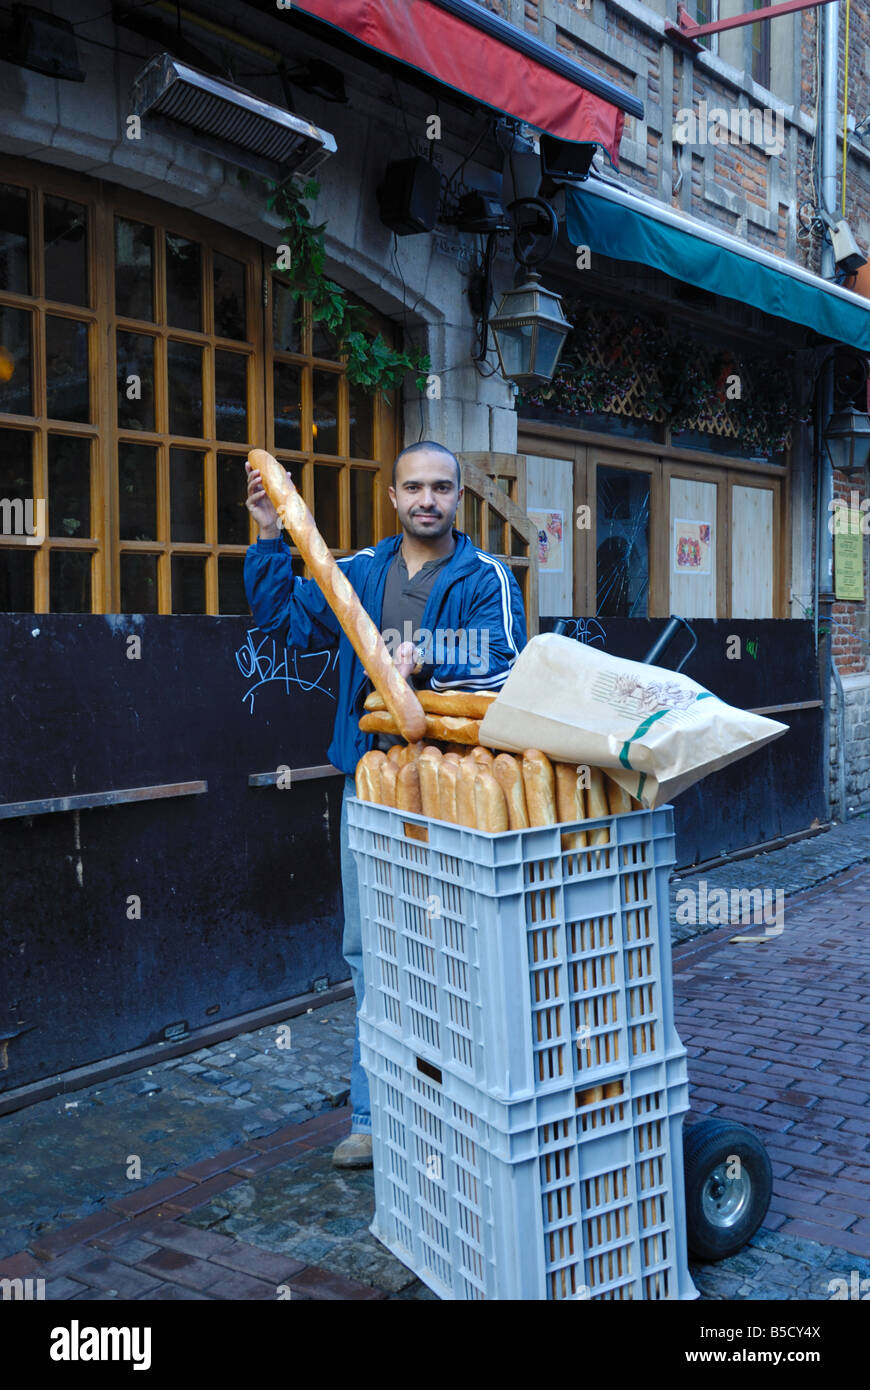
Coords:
pixel 267 661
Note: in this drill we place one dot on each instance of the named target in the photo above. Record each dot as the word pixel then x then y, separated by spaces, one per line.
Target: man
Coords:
pixel 453 616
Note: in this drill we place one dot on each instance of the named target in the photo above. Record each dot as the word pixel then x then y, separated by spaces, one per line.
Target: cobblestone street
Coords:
pixel 237 1194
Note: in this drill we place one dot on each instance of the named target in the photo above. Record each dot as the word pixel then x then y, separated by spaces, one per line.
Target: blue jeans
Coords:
pixel 351 947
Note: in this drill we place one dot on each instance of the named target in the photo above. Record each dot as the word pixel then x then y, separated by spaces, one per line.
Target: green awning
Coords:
pixel 614 223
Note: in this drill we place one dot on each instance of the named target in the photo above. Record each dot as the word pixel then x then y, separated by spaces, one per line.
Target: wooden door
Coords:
pixel 550 508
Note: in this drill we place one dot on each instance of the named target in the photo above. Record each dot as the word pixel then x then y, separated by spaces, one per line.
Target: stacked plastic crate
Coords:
pixel 527 1082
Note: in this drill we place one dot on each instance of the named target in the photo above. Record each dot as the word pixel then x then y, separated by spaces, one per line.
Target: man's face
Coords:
pixel 426 494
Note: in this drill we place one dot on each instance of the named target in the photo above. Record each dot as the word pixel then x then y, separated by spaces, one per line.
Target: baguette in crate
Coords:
pixel 524 960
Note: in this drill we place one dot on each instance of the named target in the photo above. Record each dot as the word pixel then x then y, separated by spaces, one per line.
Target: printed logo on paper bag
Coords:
pixel 693 547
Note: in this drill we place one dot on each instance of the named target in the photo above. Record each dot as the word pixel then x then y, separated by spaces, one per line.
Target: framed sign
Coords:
pixel 849 557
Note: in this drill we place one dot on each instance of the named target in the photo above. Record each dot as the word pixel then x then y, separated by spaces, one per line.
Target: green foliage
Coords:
pixel 371 362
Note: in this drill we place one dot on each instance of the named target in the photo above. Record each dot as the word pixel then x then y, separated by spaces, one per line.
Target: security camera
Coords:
pixel 847 254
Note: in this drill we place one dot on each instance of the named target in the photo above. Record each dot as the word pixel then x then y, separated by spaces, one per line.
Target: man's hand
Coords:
pixel 258 504
pixel 405 658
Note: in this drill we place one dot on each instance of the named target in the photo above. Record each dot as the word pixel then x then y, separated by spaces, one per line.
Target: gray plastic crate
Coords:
pixel 594 1210
pixel 512 1127
pixel 511 962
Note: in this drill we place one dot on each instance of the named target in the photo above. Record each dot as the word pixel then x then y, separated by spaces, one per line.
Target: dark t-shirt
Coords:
pixel 405 600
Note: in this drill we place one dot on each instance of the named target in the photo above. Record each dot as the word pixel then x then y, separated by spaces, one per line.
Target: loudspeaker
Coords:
pixel 409 196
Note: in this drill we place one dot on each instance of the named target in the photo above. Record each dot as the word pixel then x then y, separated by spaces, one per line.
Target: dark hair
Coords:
pixel 429 446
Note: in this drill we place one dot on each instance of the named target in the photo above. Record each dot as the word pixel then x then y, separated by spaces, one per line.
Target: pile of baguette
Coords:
pixel 454 779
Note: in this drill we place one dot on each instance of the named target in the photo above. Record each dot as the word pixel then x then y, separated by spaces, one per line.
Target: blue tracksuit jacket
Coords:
pixel 474 594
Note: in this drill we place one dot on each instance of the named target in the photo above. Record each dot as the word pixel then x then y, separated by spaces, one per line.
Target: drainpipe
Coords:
pixel 824 577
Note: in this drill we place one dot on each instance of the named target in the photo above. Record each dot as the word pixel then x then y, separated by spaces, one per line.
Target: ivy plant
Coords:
pixel 371 362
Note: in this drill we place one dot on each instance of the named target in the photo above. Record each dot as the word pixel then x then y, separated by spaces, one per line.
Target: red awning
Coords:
pixel 466 47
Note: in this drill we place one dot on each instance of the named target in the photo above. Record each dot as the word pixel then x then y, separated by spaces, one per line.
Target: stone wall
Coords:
pixel 856 690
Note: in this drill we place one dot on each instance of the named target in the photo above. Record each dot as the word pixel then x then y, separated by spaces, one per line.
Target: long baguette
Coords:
pixel 466 812
pixel 596 804
pixel 569 803
pixel 445 728
pixel 408 789
pixel 508 773
pixel 428 766
pixel 490 807
pixel 361 632
pixel 618 799
pixel 467 704
pixel 368 775
pixel 539 784
pixel 448 780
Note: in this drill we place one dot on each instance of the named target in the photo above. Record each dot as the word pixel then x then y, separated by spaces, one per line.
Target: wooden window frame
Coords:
pixel 104 203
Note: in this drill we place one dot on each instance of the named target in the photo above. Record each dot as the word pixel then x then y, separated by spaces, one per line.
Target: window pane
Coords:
pixel 362 512
pixel 16 479
pixel 232 489
pixel 472 517
pixel 14 240
pixel 183 283
pixel 231 585
pixel 188 584
pixel 138 583
pixel 16 580
pixel 622 543
pixel 286 319
pixel 15 370
pixel 361 439
pixel 288 406
pixel 496 544
pixel 323 342
pixel 519 545
pixel 186 507
pixel 67 385
pixel 134 259
pixel 70 581
pixel 230 313
pixel 185 389
pixel 326 412
pixel 66 253
pixel 137 492
pixel 69 486
pixel 135 382
pixel 326 504
pixel 231 396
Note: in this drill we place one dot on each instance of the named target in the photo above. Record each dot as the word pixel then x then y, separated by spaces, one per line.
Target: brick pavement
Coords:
pixel 139 1246
pixel 778 1035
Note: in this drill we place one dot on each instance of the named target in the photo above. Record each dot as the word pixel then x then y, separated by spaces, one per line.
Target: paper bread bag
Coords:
pixel 654 731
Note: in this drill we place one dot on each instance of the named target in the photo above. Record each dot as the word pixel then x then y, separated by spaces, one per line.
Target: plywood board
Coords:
pixel 692 541
pixel 752 543
pixel 550 505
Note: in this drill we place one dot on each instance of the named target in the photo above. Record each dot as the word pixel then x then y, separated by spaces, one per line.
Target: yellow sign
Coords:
pixel 849 557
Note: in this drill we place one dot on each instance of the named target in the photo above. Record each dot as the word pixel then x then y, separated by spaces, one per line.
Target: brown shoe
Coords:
pixel 354 1152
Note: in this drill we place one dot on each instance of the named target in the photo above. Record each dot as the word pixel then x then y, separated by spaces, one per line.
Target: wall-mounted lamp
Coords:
pixel 529 327
pixel 529 331
pixel 847 438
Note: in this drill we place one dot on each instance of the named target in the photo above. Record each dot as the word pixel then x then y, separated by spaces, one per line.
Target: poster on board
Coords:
pixel 548 528
pixel 692 547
